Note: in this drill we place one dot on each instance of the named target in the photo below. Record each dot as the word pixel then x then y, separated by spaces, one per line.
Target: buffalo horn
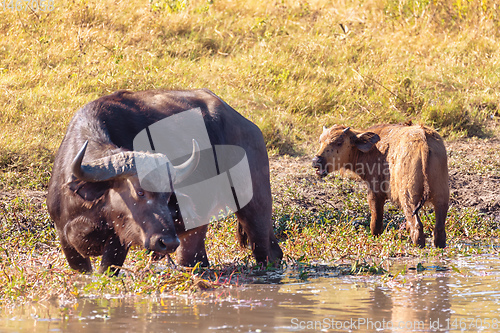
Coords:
pixel 183 170
pixel 105 168
pixel 124 164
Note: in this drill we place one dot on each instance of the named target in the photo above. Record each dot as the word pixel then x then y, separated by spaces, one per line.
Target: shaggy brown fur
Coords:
pixel 407 164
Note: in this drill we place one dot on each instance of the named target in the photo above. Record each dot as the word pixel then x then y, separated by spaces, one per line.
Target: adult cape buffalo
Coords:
pixel 96 200
pixel 407 164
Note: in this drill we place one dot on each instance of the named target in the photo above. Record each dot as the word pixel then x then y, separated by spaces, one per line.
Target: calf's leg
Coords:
pixel 413 223
pixel 376 203
pixel 439 229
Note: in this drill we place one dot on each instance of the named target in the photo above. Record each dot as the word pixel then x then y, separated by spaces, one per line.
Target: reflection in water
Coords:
pixel 432 300
pixel 427 305
pixel 367 306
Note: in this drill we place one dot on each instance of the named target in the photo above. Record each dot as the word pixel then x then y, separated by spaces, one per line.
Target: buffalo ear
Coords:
pixel 88 191
pixel 365 141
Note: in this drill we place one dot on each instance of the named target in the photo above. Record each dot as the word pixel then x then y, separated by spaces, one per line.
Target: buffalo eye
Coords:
pixel 140 193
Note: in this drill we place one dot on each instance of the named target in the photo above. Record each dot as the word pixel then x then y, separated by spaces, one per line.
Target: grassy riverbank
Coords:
pixel 289 66
pixel 321 225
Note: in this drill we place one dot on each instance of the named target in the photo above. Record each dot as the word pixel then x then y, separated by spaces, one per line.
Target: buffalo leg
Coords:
pixel 256 223
pixel 192 247
pixel 255 218
pixel 376 203
pixel 71 239
pixel 114 254
pixel 439 229
pixel 75 260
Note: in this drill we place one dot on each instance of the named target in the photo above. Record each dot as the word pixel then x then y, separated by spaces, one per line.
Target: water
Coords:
pixel 449 295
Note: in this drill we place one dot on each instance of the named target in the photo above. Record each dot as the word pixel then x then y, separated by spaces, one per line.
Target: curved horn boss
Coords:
pixel 124 164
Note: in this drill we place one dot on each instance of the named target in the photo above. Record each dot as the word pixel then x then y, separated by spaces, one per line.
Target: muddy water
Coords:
pixel 443 295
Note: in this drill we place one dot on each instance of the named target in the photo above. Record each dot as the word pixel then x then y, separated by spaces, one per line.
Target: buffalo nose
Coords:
pixel 317 161
pixel 164 244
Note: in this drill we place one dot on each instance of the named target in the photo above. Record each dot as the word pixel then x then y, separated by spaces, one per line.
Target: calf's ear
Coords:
pixel 365 141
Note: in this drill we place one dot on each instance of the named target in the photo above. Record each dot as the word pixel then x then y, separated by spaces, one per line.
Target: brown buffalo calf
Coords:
pixel 407 164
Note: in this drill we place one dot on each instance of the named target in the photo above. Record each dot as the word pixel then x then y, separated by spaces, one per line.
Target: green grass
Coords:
pixel 290 67
pixel 315 243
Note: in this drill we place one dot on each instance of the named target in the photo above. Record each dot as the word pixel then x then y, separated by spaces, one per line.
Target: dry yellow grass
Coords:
pixel 289 66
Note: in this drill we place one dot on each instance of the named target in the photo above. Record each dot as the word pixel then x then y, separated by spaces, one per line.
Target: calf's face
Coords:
pixel 338 148
pixel 142 218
